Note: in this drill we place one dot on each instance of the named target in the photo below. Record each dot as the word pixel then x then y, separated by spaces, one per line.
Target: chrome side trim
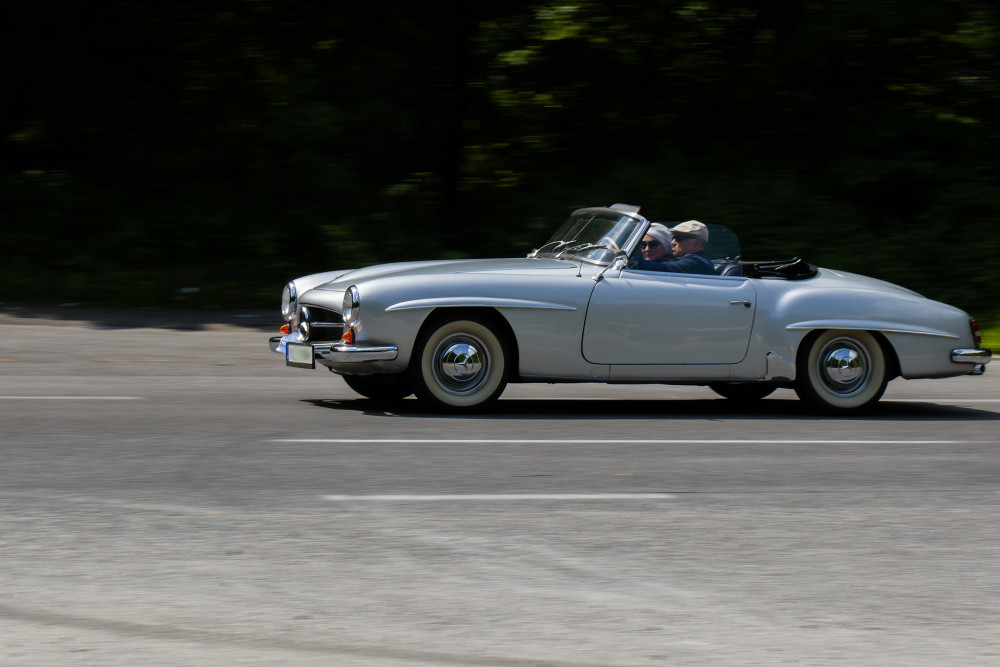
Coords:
pixel 467 302
pixel 971 356
pixel 779 368
pixel 870 325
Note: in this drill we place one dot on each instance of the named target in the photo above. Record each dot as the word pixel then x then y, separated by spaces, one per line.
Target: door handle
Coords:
pixel 745 304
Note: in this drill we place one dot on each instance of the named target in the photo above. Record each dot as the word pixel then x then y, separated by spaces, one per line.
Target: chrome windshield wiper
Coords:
pixel 561 247
pixel 557 244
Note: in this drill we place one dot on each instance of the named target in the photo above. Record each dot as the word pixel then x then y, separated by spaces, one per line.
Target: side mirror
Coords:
pixel 621 258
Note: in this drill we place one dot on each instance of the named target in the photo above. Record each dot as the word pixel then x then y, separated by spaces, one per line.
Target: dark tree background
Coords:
pixel 229 146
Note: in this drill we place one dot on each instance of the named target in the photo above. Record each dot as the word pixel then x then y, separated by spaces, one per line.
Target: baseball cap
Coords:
pixel 692 228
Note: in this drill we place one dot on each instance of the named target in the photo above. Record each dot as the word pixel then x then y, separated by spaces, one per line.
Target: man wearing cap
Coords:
pixel 688 245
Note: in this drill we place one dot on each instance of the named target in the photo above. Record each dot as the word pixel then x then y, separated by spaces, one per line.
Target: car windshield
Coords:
pixel 586 230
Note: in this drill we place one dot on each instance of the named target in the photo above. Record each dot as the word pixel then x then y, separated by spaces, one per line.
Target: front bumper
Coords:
pixel 978 359
pixel 341 353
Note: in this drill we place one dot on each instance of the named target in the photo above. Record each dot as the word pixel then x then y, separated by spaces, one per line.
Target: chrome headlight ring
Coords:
pixel 350 310
pixel 289 301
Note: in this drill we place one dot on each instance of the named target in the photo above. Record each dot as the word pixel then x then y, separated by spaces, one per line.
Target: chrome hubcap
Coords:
pixel 461 364
pixel 844 367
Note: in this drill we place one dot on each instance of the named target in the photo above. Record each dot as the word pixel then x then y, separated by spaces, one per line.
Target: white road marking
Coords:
pixel 604 399
pixel 421 497
pixel 941 400
pixel 70 398
pixel 607 441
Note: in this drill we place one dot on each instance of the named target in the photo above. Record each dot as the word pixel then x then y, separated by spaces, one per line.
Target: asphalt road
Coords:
pixel 171 494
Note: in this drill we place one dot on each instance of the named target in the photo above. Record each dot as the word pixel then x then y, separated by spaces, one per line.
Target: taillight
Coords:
pixel 976 336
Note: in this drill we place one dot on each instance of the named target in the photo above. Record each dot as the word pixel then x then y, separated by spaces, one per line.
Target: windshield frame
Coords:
pixel 589 227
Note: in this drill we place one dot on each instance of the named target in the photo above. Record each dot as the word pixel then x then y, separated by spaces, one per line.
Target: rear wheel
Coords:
pixel 841 371
pixel 459 365
pixel 380 387
pixel 743 392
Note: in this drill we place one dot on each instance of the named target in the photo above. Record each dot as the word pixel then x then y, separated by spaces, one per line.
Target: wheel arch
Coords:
pixel 891 356
pixel 490 315
pixel 892 367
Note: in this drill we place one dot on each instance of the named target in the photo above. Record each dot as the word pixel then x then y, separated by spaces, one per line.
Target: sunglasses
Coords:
pixel 649 244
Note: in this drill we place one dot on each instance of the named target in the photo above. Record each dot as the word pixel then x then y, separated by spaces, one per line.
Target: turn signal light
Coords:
pixel 348 336
pixel 285 329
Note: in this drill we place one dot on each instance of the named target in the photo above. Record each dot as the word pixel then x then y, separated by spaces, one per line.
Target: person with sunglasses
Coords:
pixel 654 249
pixel 655 245
pixel 688 251
pixel 690 239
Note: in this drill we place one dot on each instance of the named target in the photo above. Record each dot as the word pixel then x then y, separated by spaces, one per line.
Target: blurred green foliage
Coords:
pixel 150 148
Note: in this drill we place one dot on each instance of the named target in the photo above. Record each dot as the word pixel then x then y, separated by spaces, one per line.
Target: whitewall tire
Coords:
pixel 841 371
pixel 459 365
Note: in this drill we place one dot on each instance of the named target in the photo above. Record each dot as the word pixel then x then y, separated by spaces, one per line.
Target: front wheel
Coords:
pixel 841 371
pixel 459 365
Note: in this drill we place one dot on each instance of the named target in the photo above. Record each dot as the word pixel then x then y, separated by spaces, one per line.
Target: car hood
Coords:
pixel 515 266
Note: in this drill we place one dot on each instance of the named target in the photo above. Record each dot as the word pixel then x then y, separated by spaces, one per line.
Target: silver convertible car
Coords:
pixel 581 308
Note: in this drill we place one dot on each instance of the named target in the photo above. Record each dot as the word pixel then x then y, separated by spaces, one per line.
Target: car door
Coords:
pixel 651 317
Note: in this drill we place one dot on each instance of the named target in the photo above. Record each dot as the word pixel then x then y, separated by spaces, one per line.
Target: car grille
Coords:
pixel 320 324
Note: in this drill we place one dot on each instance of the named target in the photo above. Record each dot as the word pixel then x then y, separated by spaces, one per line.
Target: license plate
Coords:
pixel 299 355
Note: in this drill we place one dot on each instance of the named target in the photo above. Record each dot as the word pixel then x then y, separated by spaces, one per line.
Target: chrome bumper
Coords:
pixel 971 356
pixel 340 353
pixel 978 359
pixel 343 353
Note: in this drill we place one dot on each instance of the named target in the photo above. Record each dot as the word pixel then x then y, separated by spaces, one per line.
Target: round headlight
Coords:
pixel 351 308
pixel 289 299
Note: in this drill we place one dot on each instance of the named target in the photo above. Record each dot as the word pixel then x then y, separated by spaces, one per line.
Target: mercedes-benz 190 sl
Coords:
pixel 582 308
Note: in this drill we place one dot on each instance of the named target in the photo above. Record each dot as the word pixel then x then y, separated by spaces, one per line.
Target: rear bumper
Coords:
pixel 978 359
pixel 971 356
